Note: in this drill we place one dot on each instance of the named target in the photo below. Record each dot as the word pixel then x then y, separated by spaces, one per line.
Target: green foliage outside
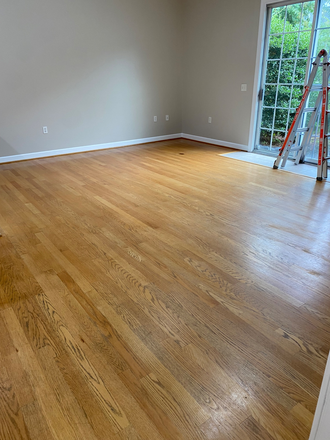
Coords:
pixel 286 65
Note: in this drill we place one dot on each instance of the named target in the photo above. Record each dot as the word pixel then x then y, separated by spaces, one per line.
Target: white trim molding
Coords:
pixel 214 142
pixel 87 148
pixel 321 424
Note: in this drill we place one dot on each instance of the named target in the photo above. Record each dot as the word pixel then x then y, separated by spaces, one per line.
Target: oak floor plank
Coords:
pixel 254 431
pixel 36 422
pixel 52 411
pixel 12 425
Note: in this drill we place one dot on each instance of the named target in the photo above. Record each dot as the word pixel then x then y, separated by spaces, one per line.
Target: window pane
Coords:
pixel 312 98
pixel 323 40
pixel 272 72
pixel 267 118
pixel 293 16
pixel 265 137
pixel 307 118
pixel 277 20
pixel 307 15
pixel 304 40
pixel 275 46
pixel 297 94
pixel 324 20
pixel 286 74
pixel 300 72
pixel 318 76
pixel 270 95
pixel 283 97
pixel 278 139
pixel 281 118
pixel 292 114
pixel 312 149
pixel 290 45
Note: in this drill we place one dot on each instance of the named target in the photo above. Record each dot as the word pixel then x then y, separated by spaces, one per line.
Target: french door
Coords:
pixel 295 33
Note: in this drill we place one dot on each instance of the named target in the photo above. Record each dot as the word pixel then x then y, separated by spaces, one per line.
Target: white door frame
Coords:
pixel 259 64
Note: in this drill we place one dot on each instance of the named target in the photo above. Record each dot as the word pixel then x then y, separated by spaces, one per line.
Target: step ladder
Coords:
pixel 320 109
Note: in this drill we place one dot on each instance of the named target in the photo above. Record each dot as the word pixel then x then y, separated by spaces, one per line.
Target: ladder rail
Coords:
pixel 323 143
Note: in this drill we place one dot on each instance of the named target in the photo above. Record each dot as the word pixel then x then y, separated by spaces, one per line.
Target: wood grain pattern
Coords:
pixel 161 292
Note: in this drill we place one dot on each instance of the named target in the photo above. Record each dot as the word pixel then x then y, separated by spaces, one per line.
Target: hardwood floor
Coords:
pixel 161 292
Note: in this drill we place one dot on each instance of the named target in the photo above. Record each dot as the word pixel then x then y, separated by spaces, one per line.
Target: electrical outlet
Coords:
pixel 155 119
pixel 45 130
pixel 210 120
pixel 243 87
pixel 167 117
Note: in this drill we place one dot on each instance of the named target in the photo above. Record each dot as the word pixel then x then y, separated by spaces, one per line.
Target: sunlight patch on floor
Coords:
pixel 267 161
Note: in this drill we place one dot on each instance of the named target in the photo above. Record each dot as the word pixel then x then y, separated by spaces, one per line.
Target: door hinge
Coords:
pixel 261 94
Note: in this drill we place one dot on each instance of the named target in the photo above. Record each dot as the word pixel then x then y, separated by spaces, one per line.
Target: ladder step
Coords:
pixel 302 130
pixel 313 88
pixel 310 109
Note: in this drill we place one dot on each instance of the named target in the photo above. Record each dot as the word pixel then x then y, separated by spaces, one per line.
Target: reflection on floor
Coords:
pixel 268 161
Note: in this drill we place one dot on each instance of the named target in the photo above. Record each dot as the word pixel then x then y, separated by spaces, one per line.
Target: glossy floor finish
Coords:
pixel 161 292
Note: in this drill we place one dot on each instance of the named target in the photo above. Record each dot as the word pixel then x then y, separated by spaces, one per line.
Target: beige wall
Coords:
pixel 97 71
pixel 93 71
pixel 220 45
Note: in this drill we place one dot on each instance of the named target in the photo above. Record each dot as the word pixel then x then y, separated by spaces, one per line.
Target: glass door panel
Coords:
pixel 286 59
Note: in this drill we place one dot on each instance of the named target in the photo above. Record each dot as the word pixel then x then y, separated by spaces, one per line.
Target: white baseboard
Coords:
pixel 215 142
pixel 63 151
pixel 321 424
pixel 87 148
